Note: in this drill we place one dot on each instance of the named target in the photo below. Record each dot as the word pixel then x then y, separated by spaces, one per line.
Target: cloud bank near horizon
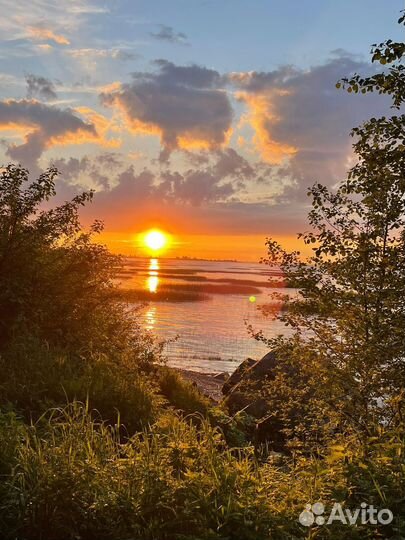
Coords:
pixel 236 151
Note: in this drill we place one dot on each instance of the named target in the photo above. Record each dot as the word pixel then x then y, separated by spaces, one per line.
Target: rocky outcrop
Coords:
pixel 243 392
pixel 237 375
pixel 250 370
pixel 242 389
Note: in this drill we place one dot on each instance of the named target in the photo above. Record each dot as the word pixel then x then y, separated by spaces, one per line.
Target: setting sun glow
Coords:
pixel 155 240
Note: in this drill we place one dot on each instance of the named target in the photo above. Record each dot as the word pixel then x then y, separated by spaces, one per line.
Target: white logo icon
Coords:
pixel 312 514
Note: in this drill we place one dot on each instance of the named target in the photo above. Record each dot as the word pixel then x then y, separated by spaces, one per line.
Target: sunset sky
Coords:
pixel 207 119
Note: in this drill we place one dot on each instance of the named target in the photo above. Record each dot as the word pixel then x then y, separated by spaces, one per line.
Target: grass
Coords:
pixel 213 288
pixel 181 393
pixel 138 452
pixel 72 476
pixel 174 482
pixel 208 280
pixel 180 292
pixel 34 378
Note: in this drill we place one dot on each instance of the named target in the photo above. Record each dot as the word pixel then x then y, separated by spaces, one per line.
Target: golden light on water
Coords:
pixel 154 265
pixel 152 281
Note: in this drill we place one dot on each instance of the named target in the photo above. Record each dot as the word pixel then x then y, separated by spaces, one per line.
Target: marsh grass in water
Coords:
pixel 163 294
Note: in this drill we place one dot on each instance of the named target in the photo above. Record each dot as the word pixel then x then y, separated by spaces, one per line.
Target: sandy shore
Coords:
pixel 210 384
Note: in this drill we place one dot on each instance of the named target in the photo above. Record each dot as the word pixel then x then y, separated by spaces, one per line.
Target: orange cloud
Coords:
pixel 16 128
pixel 137 126
pixel 111 87
pixel 192 141
pixel 44 48
pixel 260 117
pixel 98 123
pixel 187 140
pixel 39 32
pixel 102 125
pixel 42 126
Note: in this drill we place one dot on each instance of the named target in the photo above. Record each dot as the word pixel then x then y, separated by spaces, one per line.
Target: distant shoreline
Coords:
pixel 185 259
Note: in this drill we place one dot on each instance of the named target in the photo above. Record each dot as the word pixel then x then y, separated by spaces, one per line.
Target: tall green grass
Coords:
pixel 182 394
pixel 72 476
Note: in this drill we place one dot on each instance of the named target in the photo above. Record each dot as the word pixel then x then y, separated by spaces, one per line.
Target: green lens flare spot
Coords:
pixel 252 299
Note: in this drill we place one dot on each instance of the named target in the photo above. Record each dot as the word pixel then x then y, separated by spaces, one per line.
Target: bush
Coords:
pixel 56 282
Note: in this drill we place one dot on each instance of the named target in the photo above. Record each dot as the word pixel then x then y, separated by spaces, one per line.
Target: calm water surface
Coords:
pixel 209 332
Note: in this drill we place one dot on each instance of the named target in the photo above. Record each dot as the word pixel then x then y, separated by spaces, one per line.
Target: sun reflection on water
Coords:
pixel 152 281
pixel 154 264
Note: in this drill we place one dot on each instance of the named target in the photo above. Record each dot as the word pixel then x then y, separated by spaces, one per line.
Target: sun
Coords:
pixel 155 240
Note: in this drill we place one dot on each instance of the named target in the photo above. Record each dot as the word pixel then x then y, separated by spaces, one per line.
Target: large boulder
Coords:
pixel 281 396
pixel 242 392
pixel 237 375
pixel 250 370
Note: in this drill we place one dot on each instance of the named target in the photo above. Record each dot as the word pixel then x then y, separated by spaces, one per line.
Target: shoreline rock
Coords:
pixel 210 384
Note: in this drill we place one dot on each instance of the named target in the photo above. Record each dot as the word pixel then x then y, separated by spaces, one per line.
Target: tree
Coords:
pixel 350 314
pixel 56 283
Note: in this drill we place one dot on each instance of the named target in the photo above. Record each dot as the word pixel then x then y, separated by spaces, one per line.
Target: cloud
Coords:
pixel 40 87
pixel 184 105
pixel 294 131
pixel 47 20
pixel 88 9
pixel 195 187
pixel 92 54
pixel 216 178
pixel 299 122
pixel 47 34
pixel 171 197
pixel 96 172
pixel 133 194
pixel 44 48
pixel 260 117
pixel 43 126
pixel 204 198
pixel 302 121
pixel 300 126
pixel 230 163
pixel 167 33
pixel 194 203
